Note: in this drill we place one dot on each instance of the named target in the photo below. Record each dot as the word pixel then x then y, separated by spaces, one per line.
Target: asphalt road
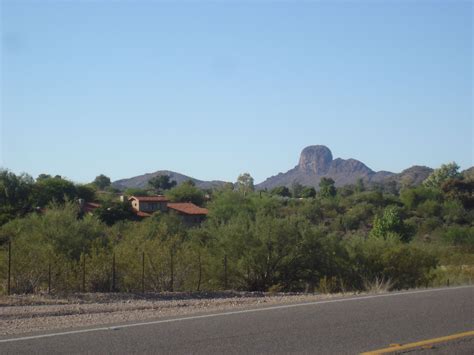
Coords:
pixel 341 326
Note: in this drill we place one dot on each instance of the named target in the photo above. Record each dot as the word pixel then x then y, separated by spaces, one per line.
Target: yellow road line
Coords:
pixel 396 347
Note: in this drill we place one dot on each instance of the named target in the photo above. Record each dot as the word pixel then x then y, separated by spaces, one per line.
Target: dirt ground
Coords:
pixel 21 314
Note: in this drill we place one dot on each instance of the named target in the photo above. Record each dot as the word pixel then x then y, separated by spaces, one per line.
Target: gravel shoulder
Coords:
pixel 23 314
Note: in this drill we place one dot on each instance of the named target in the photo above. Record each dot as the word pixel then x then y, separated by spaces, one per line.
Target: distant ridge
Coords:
pixel 141 181
pixel 315 162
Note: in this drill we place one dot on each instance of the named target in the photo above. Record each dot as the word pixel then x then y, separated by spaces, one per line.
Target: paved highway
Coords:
pixel 348 325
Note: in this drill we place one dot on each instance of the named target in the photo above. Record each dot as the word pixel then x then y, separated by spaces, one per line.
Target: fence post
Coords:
pixel 113 273
pixel 171 270
pixel 200 272
pixel 225 272
pixel 83 272
pixel 143 272
pixel 49 278
pixel 9 266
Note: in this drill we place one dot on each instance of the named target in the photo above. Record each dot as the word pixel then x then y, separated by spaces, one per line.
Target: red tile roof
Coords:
pixel 149 198
pixel 142 214
pixel 90 206
pixel 188 208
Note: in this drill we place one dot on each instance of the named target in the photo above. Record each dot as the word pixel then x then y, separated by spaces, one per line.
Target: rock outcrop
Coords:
pixel 315 162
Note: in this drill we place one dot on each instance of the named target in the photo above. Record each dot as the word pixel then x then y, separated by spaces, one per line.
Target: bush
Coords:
pixel 404 265
pixel 459 236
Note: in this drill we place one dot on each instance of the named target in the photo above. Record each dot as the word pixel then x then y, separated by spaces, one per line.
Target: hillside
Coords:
pixel 316 162
pixel 141 181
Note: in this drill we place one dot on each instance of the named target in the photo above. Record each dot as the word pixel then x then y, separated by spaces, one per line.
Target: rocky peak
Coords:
pixel 315 159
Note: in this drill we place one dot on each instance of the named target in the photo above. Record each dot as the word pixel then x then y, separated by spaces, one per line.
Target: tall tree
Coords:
pixel 102 181
pixel 360 186
pixel 439 176
pixel 296 189
pixel 281 191
pixel 15 193
pixel 53 189
pixel 308 192
pixel 186 192
pixel 462 190
pixel 86 192
pixel 161 183
pixel 43 176
pixel 245 183
pixel 390 223
pixel 327 188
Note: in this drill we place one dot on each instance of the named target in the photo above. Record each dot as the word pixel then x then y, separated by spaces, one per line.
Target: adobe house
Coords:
pixel 87 207
pixel 189 212
pixel 144 206
pixel 149 204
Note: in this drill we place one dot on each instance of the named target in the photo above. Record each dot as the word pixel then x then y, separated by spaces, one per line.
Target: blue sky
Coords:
pixel 214 89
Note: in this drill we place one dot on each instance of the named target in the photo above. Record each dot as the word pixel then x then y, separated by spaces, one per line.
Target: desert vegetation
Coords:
pixel 349 238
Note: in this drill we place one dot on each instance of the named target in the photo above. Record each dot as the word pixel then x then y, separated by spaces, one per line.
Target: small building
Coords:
pixel 87 207
pixel 189 212
pixel 149 204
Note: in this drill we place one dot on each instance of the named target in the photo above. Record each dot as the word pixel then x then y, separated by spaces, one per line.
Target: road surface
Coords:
pixel 339 326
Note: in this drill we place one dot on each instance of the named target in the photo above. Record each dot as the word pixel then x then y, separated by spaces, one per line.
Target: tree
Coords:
pixel 327 188
pixel 439 176
pixel 412 197
pixel 110 213
pixel 390 223
pixel 161 183
pixel 308 192
pixel 296 189
pixel 43 177
pixel 186 192
pixel 468 174
pixel 102 181
pixel 360 186
pixel 53 189
pixel 281 191
pixel 86 192
pixel 190 182
pixel 227 186
pixel 245 184
pixel 462 190
pixel 15 195
pixel 135 191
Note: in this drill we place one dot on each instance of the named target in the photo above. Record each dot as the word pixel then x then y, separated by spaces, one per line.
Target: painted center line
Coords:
pixel 419 344
pixel 230 313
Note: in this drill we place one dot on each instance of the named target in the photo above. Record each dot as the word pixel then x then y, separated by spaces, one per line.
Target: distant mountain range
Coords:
pixel 315 162
pixel 141 181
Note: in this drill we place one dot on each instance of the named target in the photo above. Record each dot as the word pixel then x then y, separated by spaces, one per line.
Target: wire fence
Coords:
pixel 167 269
pixel 136 271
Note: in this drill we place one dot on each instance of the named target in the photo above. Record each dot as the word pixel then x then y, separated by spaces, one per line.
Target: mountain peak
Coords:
pixel 315 159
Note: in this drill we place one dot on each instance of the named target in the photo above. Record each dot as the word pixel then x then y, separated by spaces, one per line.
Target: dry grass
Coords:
pixel 378 285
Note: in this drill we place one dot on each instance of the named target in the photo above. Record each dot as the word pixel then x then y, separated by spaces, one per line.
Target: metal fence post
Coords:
pixel 172 271
pixel 143 272
pixel 113 272
pixel 225 272
pixel 49 278
pixel 83 272
pixel 200 272
pixel 9 266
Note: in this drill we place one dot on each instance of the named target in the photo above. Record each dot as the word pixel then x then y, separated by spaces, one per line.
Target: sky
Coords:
pixel 212 89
